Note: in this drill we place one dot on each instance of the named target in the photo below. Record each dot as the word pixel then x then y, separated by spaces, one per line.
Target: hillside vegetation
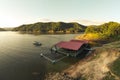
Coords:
pixel 51 27
pixel 107 31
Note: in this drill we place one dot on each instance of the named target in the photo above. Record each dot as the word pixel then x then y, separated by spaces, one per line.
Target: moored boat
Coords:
pixel 37 43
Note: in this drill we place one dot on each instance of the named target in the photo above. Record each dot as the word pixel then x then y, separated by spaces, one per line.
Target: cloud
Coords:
pixel 45 20
pixel 89 22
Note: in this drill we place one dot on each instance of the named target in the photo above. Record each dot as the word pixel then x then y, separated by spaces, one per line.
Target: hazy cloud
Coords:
pixel 89 22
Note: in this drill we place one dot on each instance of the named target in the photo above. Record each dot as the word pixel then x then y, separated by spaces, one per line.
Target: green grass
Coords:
pixel 115 67
pixel 109 77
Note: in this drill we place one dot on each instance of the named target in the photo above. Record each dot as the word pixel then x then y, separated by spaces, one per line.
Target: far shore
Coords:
pixel 39 33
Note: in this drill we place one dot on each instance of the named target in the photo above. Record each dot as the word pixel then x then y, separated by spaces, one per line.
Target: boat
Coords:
pixel 36 43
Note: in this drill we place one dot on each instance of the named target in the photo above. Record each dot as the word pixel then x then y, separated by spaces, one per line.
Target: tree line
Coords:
pixel 52 27
pixel 1 29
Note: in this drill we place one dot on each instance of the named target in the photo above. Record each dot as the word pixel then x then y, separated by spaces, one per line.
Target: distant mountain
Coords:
pixel 8 28
pixel 52 27
pixel 1 29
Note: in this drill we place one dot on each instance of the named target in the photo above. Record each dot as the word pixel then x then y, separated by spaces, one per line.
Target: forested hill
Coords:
pixel 110 28
pixel 52 27
pixel 1 29
pixel 106 31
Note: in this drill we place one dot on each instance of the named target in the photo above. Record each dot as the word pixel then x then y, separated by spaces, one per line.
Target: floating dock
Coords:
pixel 53 57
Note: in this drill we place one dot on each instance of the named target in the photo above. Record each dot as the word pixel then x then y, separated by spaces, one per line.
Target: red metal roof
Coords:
pixel 72 45
pixel 82 41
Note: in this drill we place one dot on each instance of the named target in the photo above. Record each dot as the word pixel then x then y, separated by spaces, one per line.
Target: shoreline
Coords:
pixel 38 33
pixel 97 62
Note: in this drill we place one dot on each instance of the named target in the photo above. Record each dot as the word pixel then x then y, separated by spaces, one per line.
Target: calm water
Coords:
pixel 20 59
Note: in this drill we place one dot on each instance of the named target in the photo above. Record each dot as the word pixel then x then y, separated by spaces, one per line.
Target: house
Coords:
pixel 72 48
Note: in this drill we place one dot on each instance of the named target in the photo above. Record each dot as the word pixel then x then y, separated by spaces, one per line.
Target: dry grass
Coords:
pixel 97 68
pixel 89 36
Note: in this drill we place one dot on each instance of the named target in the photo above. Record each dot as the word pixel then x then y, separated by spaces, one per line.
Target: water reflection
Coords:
pixel 20 59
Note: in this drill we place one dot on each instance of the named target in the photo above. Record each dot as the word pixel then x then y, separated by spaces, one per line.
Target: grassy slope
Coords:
pixel 103 64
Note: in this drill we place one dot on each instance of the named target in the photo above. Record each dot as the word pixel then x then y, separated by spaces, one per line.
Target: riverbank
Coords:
pixel 97 66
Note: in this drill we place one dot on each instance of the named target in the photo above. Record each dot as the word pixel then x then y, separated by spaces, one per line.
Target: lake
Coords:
pixel 20 59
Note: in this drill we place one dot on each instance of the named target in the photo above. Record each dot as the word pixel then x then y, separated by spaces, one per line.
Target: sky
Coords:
pixel 14 13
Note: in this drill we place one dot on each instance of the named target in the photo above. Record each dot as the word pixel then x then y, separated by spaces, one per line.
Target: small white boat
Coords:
pixel 37 43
